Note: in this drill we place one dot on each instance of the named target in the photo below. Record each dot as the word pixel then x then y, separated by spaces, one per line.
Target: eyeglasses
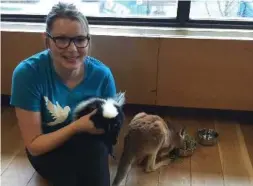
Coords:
pixel 63 42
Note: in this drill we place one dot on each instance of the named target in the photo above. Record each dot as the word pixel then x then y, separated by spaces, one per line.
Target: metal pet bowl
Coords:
pixel 207 137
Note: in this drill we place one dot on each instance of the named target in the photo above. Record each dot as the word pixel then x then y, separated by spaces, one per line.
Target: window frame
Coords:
pixel 182 20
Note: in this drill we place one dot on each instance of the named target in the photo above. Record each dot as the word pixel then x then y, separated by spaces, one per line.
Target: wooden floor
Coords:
pixel 229 163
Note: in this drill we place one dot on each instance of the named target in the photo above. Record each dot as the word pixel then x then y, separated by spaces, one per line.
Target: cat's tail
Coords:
pixel 126 160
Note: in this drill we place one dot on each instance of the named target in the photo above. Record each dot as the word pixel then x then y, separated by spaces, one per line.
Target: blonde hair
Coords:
pixel 65 10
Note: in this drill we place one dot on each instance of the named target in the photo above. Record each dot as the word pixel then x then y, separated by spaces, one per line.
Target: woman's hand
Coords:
pixel 84 124
pixel 38 143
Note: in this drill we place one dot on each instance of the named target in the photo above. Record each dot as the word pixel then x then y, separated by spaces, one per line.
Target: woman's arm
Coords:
pixel 38 143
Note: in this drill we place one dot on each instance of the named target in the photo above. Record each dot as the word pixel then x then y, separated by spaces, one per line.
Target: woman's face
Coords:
pixel 71 57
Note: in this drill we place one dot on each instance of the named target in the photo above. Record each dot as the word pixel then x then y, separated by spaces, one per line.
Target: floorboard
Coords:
pixel 235 167
pixel 229 163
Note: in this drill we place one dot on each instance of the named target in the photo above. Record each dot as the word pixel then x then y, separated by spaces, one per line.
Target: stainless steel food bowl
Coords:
pixel 207 137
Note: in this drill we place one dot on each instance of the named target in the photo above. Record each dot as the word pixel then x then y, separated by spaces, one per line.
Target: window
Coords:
pixel 222 10
pixel 139 8
pixel 171 13
pixel 97 8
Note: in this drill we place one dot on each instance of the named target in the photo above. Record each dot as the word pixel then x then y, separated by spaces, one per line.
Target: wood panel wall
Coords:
pixel 134 64
pixel 206 74
pixel 198 73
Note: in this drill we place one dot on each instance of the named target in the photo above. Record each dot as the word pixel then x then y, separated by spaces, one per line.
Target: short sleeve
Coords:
pixel 25 93
pixel 110 87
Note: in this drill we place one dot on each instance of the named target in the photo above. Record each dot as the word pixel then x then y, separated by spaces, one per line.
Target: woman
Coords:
pixel 45 89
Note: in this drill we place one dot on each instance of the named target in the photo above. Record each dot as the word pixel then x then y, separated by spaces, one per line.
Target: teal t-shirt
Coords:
pixel 37 87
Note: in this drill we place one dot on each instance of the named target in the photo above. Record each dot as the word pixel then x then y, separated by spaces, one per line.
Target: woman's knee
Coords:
pixel 55 167
pixel 93 162
pixel 90 145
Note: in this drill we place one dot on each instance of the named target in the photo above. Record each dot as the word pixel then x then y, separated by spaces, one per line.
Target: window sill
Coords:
pixel 147 32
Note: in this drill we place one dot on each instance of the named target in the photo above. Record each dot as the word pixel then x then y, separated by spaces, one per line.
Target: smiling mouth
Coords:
pixel 70 59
